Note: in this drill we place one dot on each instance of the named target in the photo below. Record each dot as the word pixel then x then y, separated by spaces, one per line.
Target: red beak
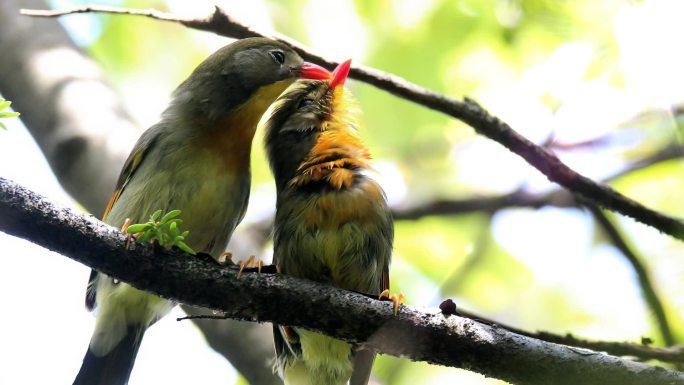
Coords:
pixel 340 74
pixel 314 71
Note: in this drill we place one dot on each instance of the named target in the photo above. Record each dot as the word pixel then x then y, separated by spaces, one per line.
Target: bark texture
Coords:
pixel 436 337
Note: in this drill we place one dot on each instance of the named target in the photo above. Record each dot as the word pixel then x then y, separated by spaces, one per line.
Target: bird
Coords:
pixel 195 159
pixel 332 222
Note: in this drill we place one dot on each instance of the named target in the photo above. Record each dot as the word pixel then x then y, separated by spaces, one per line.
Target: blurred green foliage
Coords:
pixel 553 69
pixel 4 104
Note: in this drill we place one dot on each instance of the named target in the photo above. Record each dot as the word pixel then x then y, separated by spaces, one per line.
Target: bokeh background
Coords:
pixel 600 83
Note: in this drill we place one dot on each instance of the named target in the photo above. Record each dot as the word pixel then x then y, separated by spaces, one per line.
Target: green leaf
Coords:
pixel 146 237
pixel 137 228
pixel 155 215
pixel 7 114
pixel 166 231
pixel 12 114
pixel 181 245
pixel 177 221
pixel 171 214
pixel 173 228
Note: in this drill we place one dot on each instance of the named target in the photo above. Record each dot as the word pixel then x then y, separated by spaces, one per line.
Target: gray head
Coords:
pixel 234 73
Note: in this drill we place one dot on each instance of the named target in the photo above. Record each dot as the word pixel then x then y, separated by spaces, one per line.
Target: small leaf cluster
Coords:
pixel 7 114
pixel 166 231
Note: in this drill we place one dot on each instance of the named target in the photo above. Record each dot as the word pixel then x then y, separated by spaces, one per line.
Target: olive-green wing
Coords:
pixel 364 358
pixel 132 163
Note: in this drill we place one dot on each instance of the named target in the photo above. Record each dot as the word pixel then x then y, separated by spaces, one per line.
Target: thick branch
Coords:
pixel 435 338
pixel 85 134
pixel 80 150
pixel 468 111
pixel 558 198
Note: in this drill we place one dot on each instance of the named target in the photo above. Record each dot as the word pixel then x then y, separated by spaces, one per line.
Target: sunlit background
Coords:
pixel 599 82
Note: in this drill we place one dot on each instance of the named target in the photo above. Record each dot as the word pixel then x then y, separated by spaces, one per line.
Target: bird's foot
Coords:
pixel 250 263
pixel 289 334
pixel 225 258
pixel 396 299
pixel 124 229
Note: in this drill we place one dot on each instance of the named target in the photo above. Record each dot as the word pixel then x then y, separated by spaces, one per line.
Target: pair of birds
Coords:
pixel 332 222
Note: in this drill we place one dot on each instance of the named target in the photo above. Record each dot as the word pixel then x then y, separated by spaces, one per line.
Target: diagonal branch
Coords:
pixel 648 291
pixel 521 198
pixel 433 337
pixel 468 111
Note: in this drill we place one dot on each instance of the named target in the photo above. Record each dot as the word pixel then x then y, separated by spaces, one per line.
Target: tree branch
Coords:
pixel 435 338
pixel 468 111
pixel 520 198
pixel 561 198
pixel 85 134
pixel 558 198
pixel 672 354
pixel 647 289
pixel 488 204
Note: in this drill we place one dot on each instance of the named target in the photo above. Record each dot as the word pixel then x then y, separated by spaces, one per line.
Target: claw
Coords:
pixel 290 335
pixel 124 229
pixel 244 264
pixel 396 299
pixel 252 265
pixel 225 258
pixel 384 294
pixel 127 222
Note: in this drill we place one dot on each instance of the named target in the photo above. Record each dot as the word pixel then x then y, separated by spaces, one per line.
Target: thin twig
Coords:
pixel 673 151
pixel 152 13
pixel 468 111
pixel 521 198
pixel 672 354
pixel 489 204
pixel 202 316
pixel 647 288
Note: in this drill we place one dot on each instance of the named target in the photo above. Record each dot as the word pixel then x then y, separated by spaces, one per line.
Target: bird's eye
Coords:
pixel 305 102
pixel 278 56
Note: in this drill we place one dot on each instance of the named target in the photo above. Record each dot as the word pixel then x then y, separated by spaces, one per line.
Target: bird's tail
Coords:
pixel 113 368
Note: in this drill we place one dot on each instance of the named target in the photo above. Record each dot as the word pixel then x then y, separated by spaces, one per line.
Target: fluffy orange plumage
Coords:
pixel 332 222
pixel 338 149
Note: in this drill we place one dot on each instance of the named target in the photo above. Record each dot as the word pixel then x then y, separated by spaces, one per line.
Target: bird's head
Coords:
pixel 249 73
pixel 312 127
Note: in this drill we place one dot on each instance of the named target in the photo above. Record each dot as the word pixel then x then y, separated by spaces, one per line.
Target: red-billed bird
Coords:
pixel 196 159
pixel 332 221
